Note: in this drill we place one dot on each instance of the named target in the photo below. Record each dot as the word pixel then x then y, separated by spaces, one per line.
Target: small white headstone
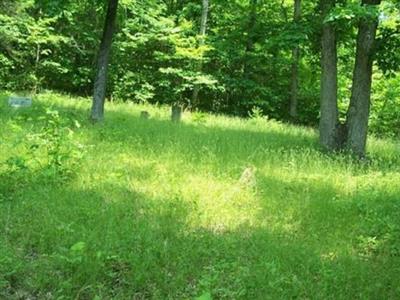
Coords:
pixel 17 102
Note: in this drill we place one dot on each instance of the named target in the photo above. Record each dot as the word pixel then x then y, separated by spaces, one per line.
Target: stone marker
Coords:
pixel 248 177
pixel 17 102
pixel 144 115
pixel 176 113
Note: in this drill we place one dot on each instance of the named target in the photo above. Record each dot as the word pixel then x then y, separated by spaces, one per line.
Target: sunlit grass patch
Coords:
pixel 149 209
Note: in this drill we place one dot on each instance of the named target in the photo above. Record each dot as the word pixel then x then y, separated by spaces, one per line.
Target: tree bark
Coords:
pixel 37 62
pixel 329 120
pixel 294 86
pixel 203 29
pixel 99 94
pixel 358 113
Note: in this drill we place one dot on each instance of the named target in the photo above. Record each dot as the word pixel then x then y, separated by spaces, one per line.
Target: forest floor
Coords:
pixel 211 208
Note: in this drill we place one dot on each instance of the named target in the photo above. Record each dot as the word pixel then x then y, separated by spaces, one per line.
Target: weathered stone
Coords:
pixel 145 115
pixel 248 177
pixel 176 113
pixel 17 102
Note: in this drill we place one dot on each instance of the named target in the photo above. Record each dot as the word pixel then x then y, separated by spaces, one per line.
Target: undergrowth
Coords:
pixel 212 208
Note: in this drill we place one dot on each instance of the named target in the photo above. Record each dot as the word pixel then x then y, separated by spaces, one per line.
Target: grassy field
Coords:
pixel 211 208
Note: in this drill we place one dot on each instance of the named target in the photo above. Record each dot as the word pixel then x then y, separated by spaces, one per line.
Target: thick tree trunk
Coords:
pixel 294 87
pixel 250 38
pixel 358 113
pixel 203 29
pixel 329 120
pixel 100 83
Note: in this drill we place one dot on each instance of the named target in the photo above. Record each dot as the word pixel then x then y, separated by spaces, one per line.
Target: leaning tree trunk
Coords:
pixel 203 28
pixel 329 120
pixel 358 113
pixel 294 87
pixel 100 84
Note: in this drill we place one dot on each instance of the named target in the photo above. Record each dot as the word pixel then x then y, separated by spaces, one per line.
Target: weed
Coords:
pixel 224 208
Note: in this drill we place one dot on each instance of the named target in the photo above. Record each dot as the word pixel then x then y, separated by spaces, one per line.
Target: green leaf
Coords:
pixel 205 296
pixel 78 247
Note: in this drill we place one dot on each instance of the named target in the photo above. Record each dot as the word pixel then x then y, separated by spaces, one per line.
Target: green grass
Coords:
pixel 148 209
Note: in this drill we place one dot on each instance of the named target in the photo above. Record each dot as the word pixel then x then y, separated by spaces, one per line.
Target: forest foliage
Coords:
pixel 246 58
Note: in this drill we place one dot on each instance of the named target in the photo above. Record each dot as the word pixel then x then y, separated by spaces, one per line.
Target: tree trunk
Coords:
pixel 100 83
pixel 294 87
pixel 329 120
pixel 250 38
pixel 37 62
pixel 203 29
pixel 358 113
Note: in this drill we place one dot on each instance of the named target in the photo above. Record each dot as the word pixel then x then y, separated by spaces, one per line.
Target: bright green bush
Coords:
pixel 385 115
pixel 45 156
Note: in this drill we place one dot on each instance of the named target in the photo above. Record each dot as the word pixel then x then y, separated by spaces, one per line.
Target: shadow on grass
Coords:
pixel 193 142
pixel 114 242
pixel 128 124
pixel 319 209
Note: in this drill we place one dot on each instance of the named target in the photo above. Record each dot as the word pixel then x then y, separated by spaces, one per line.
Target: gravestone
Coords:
pixel 18 102
pixel 144 115
pixel 176 113
pixel 248 177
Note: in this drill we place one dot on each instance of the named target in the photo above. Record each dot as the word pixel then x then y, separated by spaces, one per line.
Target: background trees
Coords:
pixel 295 65
pixel 250 58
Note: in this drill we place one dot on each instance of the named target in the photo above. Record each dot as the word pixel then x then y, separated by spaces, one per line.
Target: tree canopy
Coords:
pixel 246 55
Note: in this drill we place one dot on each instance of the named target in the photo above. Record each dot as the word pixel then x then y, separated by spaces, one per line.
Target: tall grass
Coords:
pixel 214 207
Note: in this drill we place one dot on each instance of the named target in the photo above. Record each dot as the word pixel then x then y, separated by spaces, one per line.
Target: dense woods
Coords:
pixel 225 57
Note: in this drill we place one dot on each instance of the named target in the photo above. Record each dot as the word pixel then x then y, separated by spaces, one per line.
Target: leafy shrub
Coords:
pixel 47 156
pixel 385 115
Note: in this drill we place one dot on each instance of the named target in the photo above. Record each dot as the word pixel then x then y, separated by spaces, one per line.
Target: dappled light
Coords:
pixel 236 208
pixel 199 149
